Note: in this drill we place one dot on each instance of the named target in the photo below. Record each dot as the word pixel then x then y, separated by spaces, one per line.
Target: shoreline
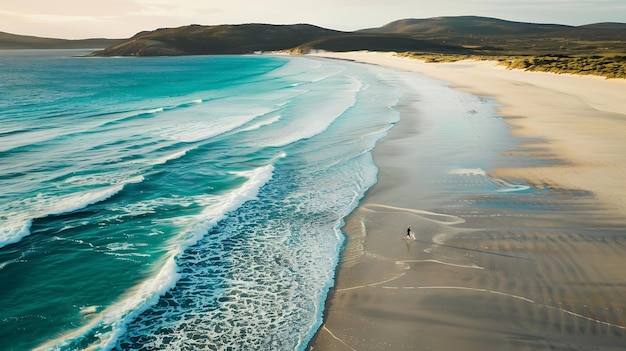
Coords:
pixel 483 275
pixel 585 125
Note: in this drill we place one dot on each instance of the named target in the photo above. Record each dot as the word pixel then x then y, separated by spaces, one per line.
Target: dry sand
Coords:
pixel 541 270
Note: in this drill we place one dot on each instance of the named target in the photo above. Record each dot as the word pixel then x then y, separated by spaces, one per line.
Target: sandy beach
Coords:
pixel 539 269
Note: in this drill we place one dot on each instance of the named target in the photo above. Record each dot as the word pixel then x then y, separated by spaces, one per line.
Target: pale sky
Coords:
pixel 78 19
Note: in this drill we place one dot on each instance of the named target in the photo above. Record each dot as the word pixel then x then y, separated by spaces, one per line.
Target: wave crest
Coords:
pixel 15 225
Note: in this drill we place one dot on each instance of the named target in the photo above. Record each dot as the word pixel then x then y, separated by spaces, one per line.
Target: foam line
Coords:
pixel 263 123
pixel 130 115
pixel 174 156
pixel 475 290
pixel 588 318
pixel 371 285
pixel 336 338
pixel 512 296
pixel 19 259
pixel 444 263
pixel 452 288
pixel 455 219
pixel 19 226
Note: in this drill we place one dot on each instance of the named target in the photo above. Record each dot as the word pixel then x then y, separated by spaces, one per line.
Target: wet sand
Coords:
pixel 534 269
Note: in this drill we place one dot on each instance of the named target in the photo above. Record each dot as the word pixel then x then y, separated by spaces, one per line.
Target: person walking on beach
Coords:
pixel 408 232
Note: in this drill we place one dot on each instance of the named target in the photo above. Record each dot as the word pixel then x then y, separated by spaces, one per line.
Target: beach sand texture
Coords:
pixel 541 269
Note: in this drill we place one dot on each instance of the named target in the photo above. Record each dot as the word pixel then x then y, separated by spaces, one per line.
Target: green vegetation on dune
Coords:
pixel 611 66
pixel 606 66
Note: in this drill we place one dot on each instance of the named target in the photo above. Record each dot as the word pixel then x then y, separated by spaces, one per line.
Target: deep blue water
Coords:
pixel 177 203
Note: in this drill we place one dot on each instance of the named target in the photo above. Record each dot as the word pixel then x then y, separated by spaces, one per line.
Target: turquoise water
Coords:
pixel 178 203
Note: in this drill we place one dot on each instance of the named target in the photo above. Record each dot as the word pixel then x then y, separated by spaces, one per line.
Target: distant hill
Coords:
pixel 496 36
pixel 464 25
pixel 378 42
pixel 14 41
pixel 439 35
pixel 460 35
pixel 222 39
pixel 473 26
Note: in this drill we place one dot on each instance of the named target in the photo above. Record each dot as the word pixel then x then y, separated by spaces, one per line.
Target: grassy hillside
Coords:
pixel 224 39
pixel 492 36
pixel 463 26
pixel 377 42
pixel 606 66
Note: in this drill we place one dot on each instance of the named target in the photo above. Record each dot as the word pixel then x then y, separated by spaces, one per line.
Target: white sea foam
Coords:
pixel 513 187
pixel 154 110
pixel 12 231
pixel 275 278
pixel 262 123
pixel 216 207
pixel 307 71
pixel 174 156
pixel 468 171
pixel 15 223
pixel 146 294
pixel 120 246
pixel 89 309
pixel 15 260
pixel 313 112
pixel 121 117
pixel 193 131
pixel 501 185
pixel 74 202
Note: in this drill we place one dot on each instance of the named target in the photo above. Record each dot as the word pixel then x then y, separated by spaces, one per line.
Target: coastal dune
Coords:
pixel 532 260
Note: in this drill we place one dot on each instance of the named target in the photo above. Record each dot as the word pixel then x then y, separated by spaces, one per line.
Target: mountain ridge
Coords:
pixel 9 41
pixel 454 34
pixel 469 24
pixel 217 40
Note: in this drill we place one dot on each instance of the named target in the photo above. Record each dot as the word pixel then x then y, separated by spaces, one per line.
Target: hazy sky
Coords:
pixel 74 19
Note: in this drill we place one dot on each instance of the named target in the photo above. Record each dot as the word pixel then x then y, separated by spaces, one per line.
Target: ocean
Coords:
pixel 197 202
pixel 178 203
